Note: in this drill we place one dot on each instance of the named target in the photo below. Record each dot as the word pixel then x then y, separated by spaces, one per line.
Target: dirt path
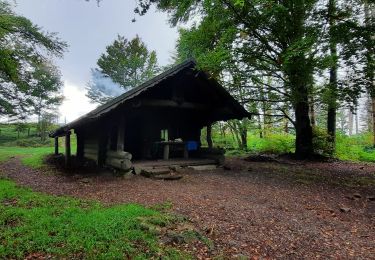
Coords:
pixel 252 209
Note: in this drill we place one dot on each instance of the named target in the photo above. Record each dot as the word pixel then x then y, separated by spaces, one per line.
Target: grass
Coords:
pixel 36 224
pixel 357 148
pixel 30 156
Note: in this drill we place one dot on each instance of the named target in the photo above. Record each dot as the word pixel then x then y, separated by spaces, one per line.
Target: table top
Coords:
pixel 171 142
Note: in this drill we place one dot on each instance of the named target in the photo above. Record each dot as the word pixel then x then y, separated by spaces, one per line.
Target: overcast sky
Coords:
pixel 88 29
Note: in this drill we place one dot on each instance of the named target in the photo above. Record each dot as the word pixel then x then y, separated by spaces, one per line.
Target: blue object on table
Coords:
pixel 192 145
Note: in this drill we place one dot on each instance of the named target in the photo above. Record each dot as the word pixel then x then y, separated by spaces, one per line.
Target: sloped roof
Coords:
pixel 114 103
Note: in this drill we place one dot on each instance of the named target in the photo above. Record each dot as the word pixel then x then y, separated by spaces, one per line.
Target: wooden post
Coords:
pixel 67 149
pixel 209 136
pixel 56 145
pixel 166 152
pixel 186 152
pixel 102 146
pixel 121 134
pixel 80 146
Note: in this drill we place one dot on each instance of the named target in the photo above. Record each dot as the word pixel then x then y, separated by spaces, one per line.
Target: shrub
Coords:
pixel 29 142
pixel 320 142
pixel 276 143
pixel 355 148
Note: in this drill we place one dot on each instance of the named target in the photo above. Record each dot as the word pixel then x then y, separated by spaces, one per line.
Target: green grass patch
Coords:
pixel 32 157
pixel 60 227
pixel 355 148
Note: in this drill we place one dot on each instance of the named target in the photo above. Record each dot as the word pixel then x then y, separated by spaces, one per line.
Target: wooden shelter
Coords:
pixel 161 118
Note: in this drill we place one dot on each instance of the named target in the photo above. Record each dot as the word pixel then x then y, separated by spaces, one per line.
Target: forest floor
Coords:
pixel 280 209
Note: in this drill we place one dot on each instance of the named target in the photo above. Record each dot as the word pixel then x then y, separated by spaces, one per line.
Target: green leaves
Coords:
pixel 23 50
pixel 127 63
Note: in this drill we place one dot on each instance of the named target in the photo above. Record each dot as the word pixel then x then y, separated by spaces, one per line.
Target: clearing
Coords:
pixel 255 209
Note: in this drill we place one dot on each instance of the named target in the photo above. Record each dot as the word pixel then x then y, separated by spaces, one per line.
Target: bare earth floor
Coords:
pixel 255 209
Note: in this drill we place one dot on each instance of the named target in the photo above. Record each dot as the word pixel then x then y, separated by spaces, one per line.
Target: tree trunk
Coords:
pixel 304 146
pixel 350 123
pixel 312 111
pixel 235 133
pixel 370 71
pixel 260 127
pixel 243 134
pixel 299 78
pixel 332 99
pixel 356 122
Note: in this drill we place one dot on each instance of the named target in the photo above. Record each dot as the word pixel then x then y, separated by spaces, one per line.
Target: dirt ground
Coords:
pixel 248 209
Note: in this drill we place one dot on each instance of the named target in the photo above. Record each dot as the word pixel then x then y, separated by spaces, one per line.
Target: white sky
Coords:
pixel 88 29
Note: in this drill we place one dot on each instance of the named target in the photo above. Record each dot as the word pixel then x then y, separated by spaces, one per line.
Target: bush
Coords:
pixel 355 148
pixel 30 142
pixel 320 142
pixel 273 143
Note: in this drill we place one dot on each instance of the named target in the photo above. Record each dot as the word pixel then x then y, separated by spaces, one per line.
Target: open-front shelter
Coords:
pixel 161 118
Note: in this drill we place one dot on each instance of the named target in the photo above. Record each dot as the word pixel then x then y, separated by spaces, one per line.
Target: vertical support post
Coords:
pixel 56 145
pixel 102 145
pixel 186 152
pixel 121 134
pixel 209 136
pixel 67 149
pixel 80 146
pixel 166 151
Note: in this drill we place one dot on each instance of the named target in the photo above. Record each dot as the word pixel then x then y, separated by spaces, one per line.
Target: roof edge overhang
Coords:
pixel 114 103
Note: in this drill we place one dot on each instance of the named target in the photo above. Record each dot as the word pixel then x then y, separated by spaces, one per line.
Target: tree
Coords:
pixel 126 63
pixel 281 49
pixel 272 38
pixel 23 46
pixel 46 124
pixel 369 59
pixel 20 127
pixel 45 90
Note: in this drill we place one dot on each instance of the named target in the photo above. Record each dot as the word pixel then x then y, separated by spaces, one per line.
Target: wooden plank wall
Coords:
pixel 91 148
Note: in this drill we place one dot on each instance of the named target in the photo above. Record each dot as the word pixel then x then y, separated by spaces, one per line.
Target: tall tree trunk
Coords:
pixel 332 99
pixel 304 146
pixel 243 133
pixel 312 111
pixel 260 127
pixel 370 64
pixel 356 121
pixel 299 78
pixel 299 73
pixel 350 123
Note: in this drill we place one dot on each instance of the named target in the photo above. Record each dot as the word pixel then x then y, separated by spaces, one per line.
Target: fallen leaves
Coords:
pixel 258 214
